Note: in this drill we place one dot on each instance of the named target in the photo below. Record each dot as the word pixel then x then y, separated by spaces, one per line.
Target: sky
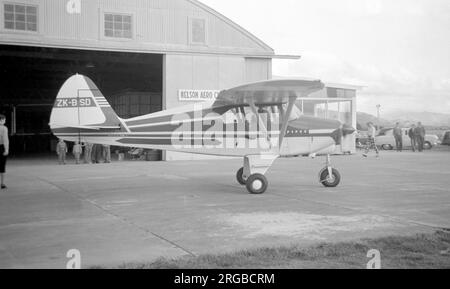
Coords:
pixel 399 50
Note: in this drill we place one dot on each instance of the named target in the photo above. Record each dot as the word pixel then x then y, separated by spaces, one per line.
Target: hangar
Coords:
pixel 139 52
pixel 144 55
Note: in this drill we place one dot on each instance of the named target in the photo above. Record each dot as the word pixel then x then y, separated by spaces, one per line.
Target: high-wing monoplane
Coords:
pixel 258 122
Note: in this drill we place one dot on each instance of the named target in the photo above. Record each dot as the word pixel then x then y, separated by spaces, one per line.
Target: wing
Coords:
pixel 270 92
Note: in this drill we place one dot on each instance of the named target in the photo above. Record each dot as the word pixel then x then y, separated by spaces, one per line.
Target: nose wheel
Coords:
pixel 330 180
pixel 328 176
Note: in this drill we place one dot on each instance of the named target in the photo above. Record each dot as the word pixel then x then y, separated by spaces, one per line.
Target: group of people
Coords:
pixel 93 153
pixel 416 134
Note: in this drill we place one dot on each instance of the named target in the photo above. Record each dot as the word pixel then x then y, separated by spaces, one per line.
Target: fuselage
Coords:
pixel 221 131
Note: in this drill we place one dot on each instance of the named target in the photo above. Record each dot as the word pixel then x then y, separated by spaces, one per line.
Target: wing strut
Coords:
pixel 260 122
pixel 286 116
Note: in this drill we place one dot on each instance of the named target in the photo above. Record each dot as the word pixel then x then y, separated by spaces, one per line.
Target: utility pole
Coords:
pixel 378 115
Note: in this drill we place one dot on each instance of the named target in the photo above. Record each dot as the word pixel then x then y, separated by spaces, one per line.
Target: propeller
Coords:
pixel 347 129
pixel 341 132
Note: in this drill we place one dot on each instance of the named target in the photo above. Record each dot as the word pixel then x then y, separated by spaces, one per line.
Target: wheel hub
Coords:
pixel 330 178
pixel 257 185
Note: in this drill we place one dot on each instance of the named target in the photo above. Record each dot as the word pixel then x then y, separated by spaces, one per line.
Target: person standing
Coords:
pixel 77 151
pixel 107 153
pixel 97 153
pixel 398 135
pixel 371 140
pixel 4 149
pixel 412 136
pixel 93 153
pixel 61 151
pixel 88 153
pixel 419 132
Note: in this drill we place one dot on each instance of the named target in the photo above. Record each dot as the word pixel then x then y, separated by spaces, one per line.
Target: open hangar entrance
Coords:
pixel 30 78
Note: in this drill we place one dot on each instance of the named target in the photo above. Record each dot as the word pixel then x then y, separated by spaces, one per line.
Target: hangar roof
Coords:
pixel 232 23
pixel 157 26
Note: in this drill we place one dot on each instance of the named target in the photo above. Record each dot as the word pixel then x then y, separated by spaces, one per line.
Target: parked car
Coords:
pixel 361 139
pixel 446 139
pixel 385 139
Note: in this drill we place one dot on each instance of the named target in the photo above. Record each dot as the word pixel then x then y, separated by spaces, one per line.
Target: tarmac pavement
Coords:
pixel 139 211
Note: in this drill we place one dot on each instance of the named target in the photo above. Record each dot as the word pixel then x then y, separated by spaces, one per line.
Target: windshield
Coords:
pixel 384 131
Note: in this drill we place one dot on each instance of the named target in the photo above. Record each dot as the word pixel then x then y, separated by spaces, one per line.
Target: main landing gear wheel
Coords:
pixel 257 184
pixel 240 177
pixel 330 181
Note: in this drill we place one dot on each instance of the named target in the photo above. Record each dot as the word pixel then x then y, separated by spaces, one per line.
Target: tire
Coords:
pixel 387 147
pixel 427 145
pixel 334 182
pixel 240 177
pixel 257 184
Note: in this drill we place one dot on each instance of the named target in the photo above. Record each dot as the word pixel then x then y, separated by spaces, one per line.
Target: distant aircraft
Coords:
pixel 258 122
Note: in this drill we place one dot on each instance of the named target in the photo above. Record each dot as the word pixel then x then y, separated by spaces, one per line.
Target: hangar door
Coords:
pixel 30 78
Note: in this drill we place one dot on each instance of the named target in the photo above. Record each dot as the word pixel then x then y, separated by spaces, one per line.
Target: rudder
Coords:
pixel 81 104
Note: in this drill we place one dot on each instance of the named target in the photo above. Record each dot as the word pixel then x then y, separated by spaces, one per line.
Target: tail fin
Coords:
pixel 81 105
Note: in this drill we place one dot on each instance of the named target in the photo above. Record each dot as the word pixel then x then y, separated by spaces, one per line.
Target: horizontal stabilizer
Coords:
pixel 53 125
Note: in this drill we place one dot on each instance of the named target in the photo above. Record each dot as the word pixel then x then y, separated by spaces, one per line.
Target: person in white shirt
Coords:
pixel 371 140
pixel 77 150
pixel 61 151
pixel 4 149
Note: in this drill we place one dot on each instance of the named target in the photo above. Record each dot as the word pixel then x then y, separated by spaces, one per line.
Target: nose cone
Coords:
pixel 347 129
pixel 341 132
pixel 338 130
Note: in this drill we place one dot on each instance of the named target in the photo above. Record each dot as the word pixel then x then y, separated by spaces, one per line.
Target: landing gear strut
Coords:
pixel 328 176
pixel 252 174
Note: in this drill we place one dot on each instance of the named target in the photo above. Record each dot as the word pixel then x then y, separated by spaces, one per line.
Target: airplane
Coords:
pixel 257 121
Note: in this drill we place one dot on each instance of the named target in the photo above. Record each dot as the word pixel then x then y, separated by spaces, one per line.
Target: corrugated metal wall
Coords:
pixel 208 73
pixel 201 72
pixel 211 73
pixel 258 69
pixel 157 25
pixel 129 104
